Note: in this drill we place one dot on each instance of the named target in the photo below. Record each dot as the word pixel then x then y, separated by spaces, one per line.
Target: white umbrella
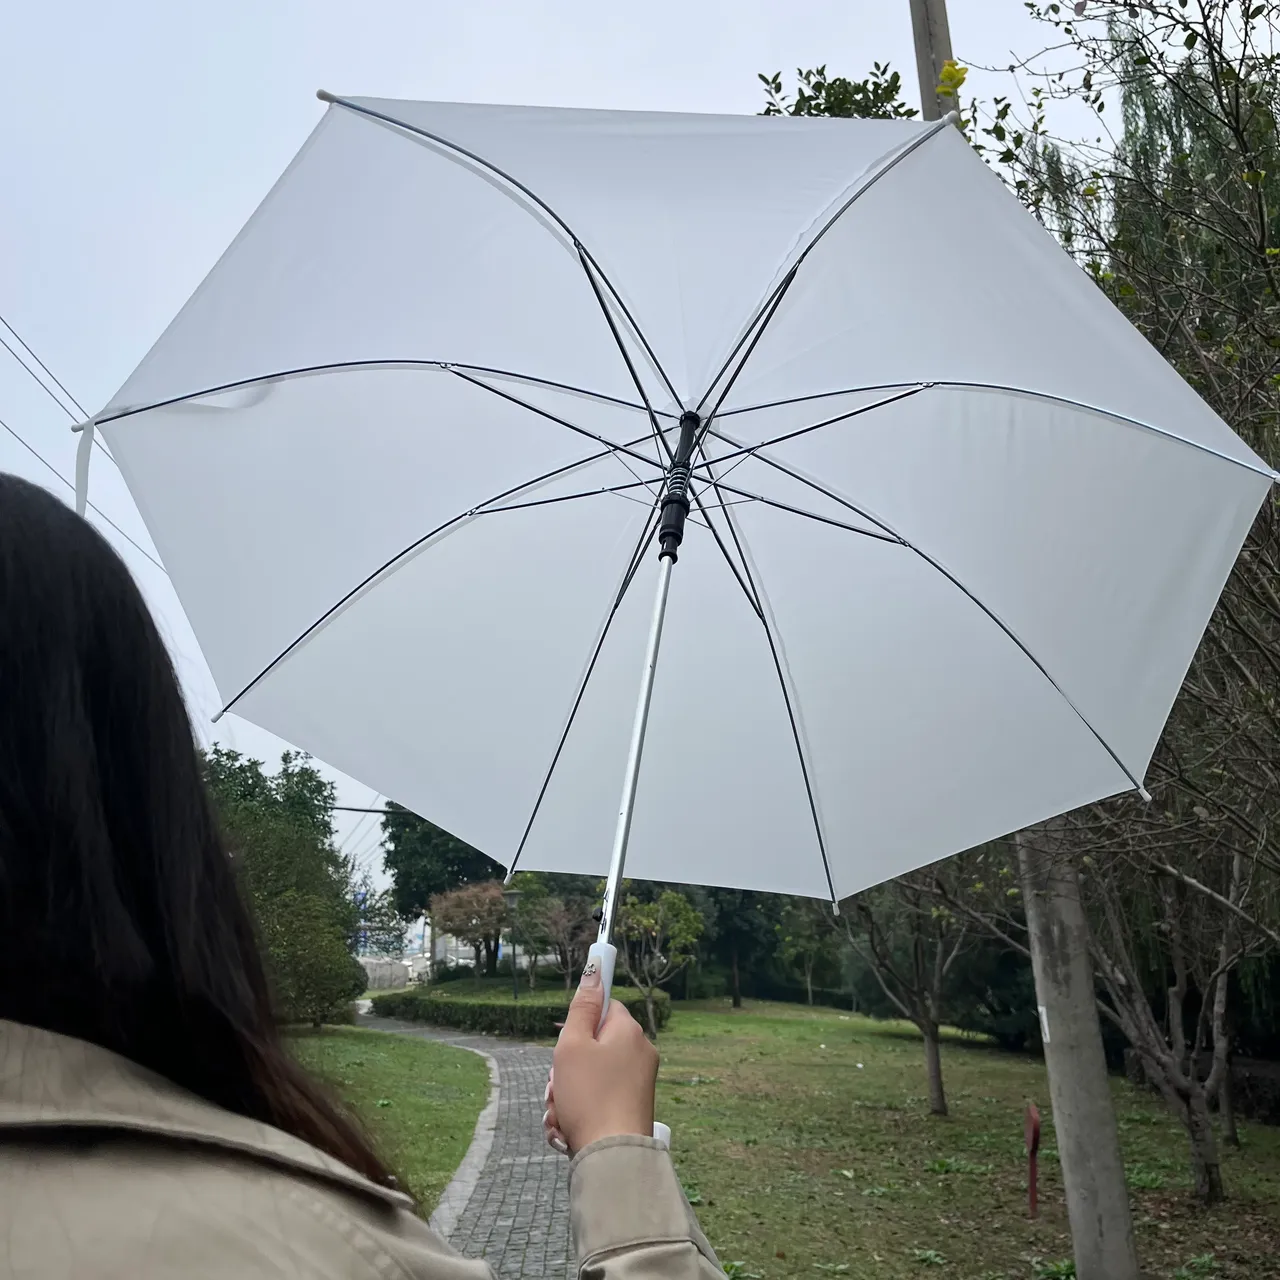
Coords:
pixel 955 528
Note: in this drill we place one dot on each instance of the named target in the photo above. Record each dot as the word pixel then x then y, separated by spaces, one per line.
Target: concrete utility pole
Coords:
pixel 933 49
pixel 1083 1115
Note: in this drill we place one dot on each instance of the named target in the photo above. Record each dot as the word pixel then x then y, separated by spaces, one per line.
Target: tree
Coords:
pixel 1084 1115
pixel 314 974
pixel 657 940
pixel 278 832
pixel 378 928
pixel 741 931
pixel 1161 938
pixel 878 97
pixel 804 939
pixel 475 914
pixel 424 861
pixel 911 943
pixel 567 925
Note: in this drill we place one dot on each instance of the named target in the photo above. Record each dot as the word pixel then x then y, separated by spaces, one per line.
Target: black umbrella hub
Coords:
pixel 675 500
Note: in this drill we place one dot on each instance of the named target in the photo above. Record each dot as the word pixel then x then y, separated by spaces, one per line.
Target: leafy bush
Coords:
pixel 314 976
pixel 531 1017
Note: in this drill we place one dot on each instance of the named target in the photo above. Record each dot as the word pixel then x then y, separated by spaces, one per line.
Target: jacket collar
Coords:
pixel 50 1082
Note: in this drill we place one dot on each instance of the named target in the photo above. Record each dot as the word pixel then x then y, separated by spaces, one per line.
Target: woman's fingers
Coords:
pixel 551 1125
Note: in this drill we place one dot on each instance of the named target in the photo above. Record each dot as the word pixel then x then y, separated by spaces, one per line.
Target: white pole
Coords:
pixel 626 809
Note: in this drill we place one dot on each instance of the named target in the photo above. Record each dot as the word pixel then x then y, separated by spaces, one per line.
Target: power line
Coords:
pixel 360 822
pixel 44 367
pixel 31 373
pixel 363 858
pixel 49 465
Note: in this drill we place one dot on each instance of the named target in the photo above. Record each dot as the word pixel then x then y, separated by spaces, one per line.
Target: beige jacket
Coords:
pixel 107 1170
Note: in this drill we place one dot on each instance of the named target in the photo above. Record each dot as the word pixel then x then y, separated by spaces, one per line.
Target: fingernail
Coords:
pixel 591 974
pixel 560 1145
pixel 546 1097
pixel 546 1115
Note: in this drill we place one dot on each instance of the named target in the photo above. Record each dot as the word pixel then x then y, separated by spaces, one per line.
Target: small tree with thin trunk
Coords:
pixel 567 924
pixel 803 939
pixel 657 940
pixel 910 942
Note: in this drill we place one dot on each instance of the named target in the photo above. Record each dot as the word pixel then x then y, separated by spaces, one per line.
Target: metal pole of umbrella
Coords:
pixel 626 808
pixel 675 510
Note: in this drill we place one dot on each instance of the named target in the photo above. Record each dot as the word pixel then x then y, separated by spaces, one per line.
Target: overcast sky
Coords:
pixel 136 138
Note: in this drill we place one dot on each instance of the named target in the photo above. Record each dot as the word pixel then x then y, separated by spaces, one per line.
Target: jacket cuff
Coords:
pixel 624 1192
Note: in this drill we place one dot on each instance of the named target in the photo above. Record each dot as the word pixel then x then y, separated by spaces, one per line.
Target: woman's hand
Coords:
pixel 600 1087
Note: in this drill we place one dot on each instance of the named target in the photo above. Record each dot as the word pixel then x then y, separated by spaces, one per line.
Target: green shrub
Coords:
pixel 531 1017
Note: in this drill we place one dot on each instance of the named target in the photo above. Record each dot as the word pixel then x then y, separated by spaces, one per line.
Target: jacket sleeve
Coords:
pixel 630 1218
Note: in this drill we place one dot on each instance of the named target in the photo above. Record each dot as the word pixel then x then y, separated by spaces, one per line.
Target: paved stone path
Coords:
pixel 517 1215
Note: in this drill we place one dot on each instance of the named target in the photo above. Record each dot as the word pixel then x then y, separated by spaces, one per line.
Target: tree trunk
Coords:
pixel 1083 1115
pixel 1227 1106
pixel 650 1015
pixel 531 964
pixel 737 982
pixel 933 1064
pixel 808 982
pixel 1206 1165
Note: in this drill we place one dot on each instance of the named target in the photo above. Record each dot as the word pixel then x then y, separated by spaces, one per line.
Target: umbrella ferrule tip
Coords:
pixel 325 96
pixel 1144 795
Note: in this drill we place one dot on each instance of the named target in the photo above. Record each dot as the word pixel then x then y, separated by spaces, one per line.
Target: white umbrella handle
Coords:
pixel 605 954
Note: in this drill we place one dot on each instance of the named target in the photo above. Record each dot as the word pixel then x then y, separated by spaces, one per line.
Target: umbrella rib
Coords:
pixel 758 600
pixel 724 551
pixel 633 566
pixel 960 586
pixel 769 306
pixel 525 191
pixel 758 325
pixel 340 366
pixel 626 355
pixel 875 535
pixel 1082 405
pixel 748 451
pixel 448 526
pixel 619 489
pixel 618 450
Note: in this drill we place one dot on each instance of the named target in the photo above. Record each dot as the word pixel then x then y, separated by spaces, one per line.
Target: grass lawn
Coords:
pixel 804 1139
pixel 418 1099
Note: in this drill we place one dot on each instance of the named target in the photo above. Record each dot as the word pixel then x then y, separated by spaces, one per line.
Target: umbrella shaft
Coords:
pixel 627 808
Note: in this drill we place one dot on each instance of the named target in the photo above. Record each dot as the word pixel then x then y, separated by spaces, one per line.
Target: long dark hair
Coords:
pixel 121 922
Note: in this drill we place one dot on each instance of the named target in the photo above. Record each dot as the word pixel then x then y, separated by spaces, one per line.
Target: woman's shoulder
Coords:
pixel 107 1169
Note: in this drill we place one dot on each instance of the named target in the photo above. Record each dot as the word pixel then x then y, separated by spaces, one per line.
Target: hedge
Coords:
pixel 527 1018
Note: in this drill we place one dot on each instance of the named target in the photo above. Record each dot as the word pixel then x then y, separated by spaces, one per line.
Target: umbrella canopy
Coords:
pixel 955 531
